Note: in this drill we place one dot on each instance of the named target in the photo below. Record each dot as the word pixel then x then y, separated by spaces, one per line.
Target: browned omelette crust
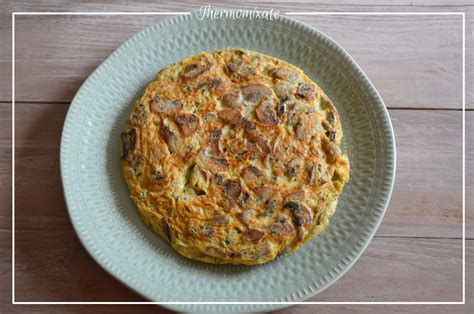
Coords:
pixel 233 156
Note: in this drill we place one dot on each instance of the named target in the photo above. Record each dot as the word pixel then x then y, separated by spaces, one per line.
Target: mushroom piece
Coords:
pixel 301 215
pixel 217 180
pixel 312 173
pixel 221 220
pixel 266 114
pixel 248 125
pixel 293 167
pixel 231 100
pixel 195 69
pixel 136 163
pixel 232 191
pixel 253 235
pixel 193 86
pixel 236 69
pixel 234 66
pixel 247 72
pixel 283 88
pixel 332 136
pixel 298 195
pixel 256 92
pixel 221 161
pixel 188 123
pixel 282 105
pixel 139 115
pixel 317 174
pixel 217 84
pixel 252 175
pixel 302 132
pixel 214 252
pixel 255 137
pixel 166 228
pixel 244 199
pixel 214 164
pixel 306 90
pixel 281 228
pixel 268 196
pixel 264 192
pixel 231 116
pixel 129 141
pixel 170 139
pixel 157 105
pixel 284 74
pixel 214 142
pixel 333 151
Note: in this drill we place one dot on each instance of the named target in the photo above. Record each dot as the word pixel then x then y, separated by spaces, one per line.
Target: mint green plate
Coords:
pixel 107 222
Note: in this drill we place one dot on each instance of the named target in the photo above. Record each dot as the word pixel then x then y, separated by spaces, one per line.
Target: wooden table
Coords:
pixel 414 61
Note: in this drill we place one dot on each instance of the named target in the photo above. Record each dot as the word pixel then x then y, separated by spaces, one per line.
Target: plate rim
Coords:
pixel 361 76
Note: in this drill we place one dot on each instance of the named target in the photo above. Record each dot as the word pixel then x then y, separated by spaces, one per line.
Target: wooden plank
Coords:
pixel 427 197
pixel 5 166
pixel 403 269
pixel 410 69
pixel 47 257
pixel 469 42
pixel 45 275
pixel 389 270
pixel 376 309
pixel 186 5
pixel 405 56
pixel 469 174
pixel 420 265
pixel 426 201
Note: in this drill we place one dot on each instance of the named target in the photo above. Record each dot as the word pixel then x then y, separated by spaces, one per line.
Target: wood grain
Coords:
pixel 415 63
pixel 415 69
pixel 405 257
pixel 5 166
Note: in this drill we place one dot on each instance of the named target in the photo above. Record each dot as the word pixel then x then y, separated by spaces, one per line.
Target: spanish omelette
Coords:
pixel 233 156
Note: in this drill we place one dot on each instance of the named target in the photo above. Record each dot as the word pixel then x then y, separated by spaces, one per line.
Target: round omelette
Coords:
pixel 233 156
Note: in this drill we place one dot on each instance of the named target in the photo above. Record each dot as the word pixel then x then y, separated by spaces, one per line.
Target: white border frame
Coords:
pixel 463 14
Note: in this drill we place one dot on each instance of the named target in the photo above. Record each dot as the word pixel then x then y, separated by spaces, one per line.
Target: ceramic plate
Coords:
pixel 108 224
